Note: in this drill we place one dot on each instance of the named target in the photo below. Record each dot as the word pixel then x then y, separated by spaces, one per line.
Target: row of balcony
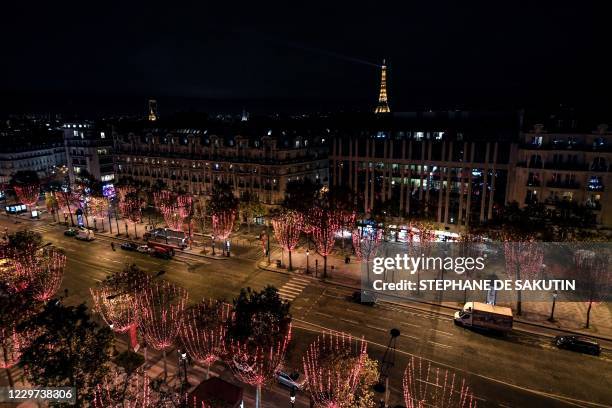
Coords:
pixel 556 201
pixel 565 166
pixel 567 146
pixel 568 185
pixel 226 158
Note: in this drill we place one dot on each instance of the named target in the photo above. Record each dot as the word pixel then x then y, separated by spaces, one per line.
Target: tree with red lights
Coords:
pixel 427 386
pixel 161 307
pixel 223 224
pixel 131 208
pixel 421 238
pixel 333 366
pixel 117 310
pixel 21 255
pixel 325 225
pixel 115 298
pixel 470 246
pixel 204 331
pixel 11 343
pixel 593 275
pixel 123 392
pixel 366 242
pixel 258 335
pixel 26 186
pixel 14 276
pixel 46 271
pixel 177 209
pixel 15 308
pixel 67 349
pixel 523 261
pixel 28 194
pixel 123 191
pixel 99 207
pixel 68 202
pixel 256 363
pixel 287 229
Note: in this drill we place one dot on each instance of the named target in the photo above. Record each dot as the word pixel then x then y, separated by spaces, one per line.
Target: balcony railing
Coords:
pixel 572 185
pixel 566 166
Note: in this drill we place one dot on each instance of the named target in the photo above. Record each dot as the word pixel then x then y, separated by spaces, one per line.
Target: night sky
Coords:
pixel 303 54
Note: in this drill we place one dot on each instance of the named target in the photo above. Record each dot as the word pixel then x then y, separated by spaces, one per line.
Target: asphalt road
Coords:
pixel 517 370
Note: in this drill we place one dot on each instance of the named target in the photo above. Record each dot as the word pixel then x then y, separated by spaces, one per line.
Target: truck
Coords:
pixel 484 316
pixel 85 235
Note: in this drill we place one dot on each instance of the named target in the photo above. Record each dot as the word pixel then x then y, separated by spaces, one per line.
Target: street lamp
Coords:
pixel 292 397
pixel 183 361
pixel 552 311
pixel 268 236
pixel 307 253
pixel 213 245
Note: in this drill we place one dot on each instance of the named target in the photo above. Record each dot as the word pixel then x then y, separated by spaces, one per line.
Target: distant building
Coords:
pixel 383 103
pixel 451 167
pixel 89 146
pixel 259 159
pixel 31 148
pixel 152 114
pixel 565 168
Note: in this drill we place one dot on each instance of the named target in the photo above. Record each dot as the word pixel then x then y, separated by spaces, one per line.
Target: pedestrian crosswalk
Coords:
pixel 43 228
pixel 293 288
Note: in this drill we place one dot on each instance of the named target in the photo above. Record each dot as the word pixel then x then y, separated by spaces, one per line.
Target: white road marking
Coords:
pixel 349 321
pixel 440 344
pixel 443 332
pixel 376 328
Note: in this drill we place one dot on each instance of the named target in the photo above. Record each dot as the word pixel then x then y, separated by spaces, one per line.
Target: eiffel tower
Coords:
pixel 383 105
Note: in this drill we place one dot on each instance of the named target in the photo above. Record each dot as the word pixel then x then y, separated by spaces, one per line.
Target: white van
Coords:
pixel 484 316
pixel 85 235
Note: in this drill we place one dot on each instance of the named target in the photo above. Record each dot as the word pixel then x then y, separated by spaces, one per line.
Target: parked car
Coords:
pixel 129 246
pixel 70 232
pixel 143 249
pixel 364 297
pixel 286 380
pixel 580 344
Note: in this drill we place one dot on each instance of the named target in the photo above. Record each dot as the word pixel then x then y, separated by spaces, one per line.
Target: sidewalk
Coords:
pixel 568 316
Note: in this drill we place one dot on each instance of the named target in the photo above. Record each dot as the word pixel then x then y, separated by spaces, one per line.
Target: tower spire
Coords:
pixel 383 104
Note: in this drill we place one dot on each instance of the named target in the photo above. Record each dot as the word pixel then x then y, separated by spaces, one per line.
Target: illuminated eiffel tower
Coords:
pixel 383 105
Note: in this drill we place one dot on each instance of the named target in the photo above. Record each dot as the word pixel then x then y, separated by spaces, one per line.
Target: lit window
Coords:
pixel 75 133
pixel 419 135
pixel 102 135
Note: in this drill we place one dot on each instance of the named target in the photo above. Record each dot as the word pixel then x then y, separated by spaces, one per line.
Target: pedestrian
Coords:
pixel 113 246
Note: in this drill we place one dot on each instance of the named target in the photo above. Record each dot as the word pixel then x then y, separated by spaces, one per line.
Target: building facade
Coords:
pixel 27 144
pixel 565 169
pixel 47 160
pixel 89 147
pixel 451 167
pixel 260 161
